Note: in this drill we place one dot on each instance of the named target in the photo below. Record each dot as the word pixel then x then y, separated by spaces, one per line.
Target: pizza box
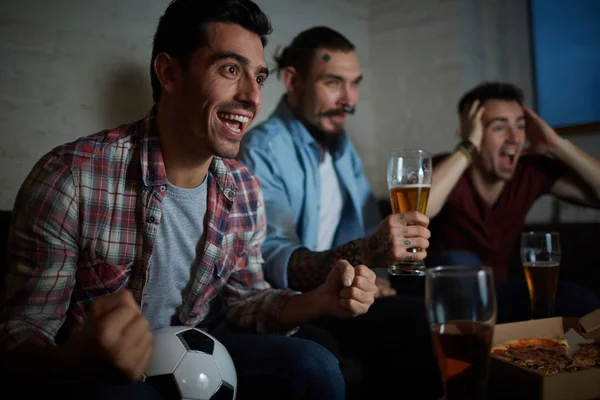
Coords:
pixel 511 381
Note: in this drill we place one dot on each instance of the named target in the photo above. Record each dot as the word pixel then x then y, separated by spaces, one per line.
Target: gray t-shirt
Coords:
pixel 174 258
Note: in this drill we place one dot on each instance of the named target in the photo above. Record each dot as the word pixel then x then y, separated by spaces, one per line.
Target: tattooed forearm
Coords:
pixel 378 250
pixel 308 269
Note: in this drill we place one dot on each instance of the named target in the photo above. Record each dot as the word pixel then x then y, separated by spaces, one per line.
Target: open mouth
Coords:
pixel 508 157
pixel 235 122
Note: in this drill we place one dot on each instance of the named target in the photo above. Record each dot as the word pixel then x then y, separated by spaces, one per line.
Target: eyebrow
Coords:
pixel 241 59
pixel 339 78
pixel 504 119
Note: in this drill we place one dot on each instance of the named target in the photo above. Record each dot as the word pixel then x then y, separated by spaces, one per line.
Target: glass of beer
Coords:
pixel 461 309
pixel 540 255
pixel 409 182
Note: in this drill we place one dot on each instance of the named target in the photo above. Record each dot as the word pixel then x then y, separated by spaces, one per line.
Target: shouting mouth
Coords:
pixel 235 123
pixel 508 158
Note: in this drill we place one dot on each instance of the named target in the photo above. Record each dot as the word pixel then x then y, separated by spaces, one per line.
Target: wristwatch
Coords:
pixel 468 149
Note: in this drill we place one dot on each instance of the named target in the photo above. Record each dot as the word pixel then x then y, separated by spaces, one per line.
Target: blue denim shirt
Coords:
pixel 285 157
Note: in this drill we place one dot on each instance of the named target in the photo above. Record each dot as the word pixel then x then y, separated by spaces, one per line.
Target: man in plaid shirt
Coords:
pixel 152 224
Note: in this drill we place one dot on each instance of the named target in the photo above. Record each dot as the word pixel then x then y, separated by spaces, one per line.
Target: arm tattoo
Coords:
pixel 309 269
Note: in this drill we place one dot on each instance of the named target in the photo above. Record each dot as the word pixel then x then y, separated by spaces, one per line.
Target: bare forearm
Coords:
pixel 308 269
pixel 583 164
pixel 445 176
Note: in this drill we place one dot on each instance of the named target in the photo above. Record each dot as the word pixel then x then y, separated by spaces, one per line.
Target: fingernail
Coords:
pixel 347 281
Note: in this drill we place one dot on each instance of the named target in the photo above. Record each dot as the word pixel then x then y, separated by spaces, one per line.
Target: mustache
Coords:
pixel 237 105
pixel 340 111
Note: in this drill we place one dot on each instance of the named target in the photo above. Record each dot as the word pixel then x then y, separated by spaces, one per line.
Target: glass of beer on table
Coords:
pixel 409 182
pixel 540 255
pixel 461 309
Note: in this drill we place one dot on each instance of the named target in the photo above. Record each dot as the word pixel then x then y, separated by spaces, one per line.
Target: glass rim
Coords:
pixel 458 270
pixel 396 152
pixel 540 233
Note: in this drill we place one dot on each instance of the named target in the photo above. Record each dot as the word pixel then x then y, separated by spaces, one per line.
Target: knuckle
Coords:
pixel 388 222
pixel 145 324
pixel 361 270
pixel 104 335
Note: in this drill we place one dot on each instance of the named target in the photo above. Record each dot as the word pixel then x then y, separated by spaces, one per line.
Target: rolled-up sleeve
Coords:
pixel 42 255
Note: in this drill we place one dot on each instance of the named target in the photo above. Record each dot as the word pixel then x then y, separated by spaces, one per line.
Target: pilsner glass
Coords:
pixel 409 182
pixel 461 308
pixel 540 255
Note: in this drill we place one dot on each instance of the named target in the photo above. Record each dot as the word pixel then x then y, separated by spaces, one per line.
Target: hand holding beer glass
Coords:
pixel 409 182
pixel 540 255
pixel 461 308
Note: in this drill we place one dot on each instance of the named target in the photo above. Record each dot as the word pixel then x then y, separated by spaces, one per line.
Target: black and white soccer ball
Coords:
pixel 190 364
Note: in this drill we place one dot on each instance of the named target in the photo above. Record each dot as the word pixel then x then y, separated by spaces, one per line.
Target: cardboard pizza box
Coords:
pixel 511 381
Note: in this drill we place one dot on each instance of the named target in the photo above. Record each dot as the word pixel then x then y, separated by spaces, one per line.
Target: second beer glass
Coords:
pixel 540 255
pixel 409 182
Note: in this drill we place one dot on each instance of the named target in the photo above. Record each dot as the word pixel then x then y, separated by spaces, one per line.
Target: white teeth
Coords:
pixel 234 117
pixel 510 152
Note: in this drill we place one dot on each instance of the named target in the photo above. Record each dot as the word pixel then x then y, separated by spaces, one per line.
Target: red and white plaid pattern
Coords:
pixel 85 222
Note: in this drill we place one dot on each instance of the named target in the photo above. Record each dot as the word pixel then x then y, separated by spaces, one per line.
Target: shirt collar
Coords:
pixel 221 172
pixel 153 166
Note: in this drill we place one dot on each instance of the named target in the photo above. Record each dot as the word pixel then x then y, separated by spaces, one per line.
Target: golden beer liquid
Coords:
pixel 542 280
pixel 409 198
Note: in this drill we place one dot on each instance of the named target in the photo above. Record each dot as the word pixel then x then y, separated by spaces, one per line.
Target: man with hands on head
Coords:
pixel 153 224
pixel 320 209
pixel 483 191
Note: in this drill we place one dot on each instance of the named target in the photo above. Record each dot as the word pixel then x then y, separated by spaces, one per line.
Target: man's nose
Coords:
pixel 349 97
pixel 249 92
pixel 512 135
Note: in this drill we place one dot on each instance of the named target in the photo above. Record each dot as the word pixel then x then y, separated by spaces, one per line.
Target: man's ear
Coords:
pixel 168 72
pixel 290 79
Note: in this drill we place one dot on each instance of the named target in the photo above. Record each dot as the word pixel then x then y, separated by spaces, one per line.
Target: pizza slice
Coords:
pixel 588 355
pixel 547 356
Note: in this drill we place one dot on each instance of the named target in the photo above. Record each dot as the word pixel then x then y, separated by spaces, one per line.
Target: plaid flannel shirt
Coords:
pixel 85 222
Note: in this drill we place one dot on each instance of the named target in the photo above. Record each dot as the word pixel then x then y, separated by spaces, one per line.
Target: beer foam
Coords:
pixel 412 185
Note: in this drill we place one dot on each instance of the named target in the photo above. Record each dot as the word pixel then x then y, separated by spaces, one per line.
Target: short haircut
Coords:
pixel 491 91
pixel 181 30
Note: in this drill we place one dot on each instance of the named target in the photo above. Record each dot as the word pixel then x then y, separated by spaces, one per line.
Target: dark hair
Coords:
pixel 491 91
pixel 180 30
pixel 299 54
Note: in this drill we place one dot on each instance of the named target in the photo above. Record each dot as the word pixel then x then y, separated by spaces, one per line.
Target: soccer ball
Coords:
pixel 190 364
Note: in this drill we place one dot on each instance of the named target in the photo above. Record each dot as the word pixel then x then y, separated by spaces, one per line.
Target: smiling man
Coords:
pixel 153 224
pixel 483 191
